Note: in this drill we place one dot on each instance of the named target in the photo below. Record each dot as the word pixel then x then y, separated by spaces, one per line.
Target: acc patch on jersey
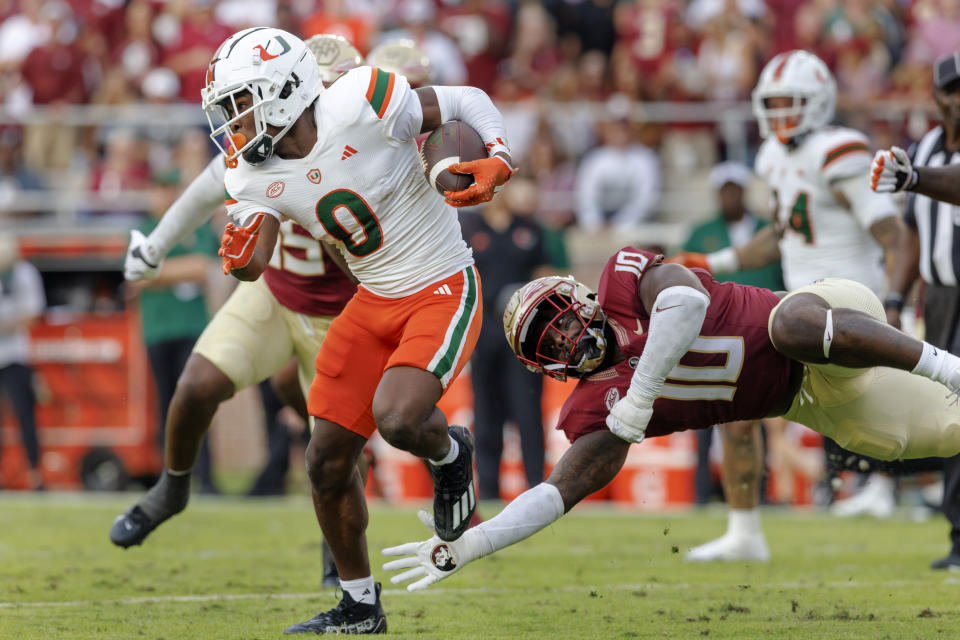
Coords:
pixel 612 397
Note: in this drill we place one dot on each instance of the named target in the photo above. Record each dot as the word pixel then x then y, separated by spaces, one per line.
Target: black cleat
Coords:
pixel 950 562
pixel 131 527
pixel 454 500
pixel 348 617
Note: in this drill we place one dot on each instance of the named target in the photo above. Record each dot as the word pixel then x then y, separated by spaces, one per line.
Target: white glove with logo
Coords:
pixel 434 559
pixel 891 171
pixel 143 260
pixel 628 420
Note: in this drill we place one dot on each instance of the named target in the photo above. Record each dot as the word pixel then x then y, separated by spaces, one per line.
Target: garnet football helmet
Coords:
pixel 278 71
pixel 802 77
pixel 537 323
pixel 334 54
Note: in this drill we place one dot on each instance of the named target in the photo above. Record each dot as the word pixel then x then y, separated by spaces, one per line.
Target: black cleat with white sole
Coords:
pixel 348 617
pixel 454 500
pixel 131 527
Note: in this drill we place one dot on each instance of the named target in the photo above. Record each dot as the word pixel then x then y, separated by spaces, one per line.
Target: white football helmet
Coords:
pixel 805 79
pixel 334 54
pixel 541 305
pixel 282 77
pixel 403 57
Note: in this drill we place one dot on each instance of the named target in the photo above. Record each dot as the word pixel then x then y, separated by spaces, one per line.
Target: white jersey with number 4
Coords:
pixel 362 186
pixel 823 237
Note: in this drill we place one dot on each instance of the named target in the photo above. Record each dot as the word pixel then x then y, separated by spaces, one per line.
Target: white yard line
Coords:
pixel 952 581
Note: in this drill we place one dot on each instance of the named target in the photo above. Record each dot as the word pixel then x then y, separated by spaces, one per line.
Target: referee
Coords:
pixel 931 246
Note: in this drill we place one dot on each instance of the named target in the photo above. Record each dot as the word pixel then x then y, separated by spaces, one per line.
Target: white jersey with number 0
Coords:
pixel 823 237
pixel 362 186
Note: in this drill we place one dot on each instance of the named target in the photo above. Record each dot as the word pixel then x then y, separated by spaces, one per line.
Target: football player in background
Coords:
pixel 828 223
pixel 257 331
pixel 703 353
pixel 402 56
pixel 343 163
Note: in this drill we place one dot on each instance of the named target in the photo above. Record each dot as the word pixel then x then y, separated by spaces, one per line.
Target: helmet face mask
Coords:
pixel 279 75
pixel 555 327
pixel 807 83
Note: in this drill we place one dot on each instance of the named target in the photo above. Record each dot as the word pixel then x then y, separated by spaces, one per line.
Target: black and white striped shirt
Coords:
pixel 937 223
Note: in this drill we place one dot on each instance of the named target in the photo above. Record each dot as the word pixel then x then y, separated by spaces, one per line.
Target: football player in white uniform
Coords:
pixel 293 307
pixel 343 163
pixel 828 223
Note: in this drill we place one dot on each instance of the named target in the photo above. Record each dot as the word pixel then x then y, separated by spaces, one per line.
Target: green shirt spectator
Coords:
pixel 732 226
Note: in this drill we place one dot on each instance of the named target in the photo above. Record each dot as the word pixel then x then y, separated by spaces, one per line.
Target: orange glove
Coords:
pixel 489 174
pixel 238 244
pixel 690 260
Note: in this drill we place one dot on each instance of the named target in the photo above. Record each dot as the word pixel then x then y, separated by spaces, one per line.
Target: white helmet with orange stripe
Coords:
pixel 278 71
pixel 807 82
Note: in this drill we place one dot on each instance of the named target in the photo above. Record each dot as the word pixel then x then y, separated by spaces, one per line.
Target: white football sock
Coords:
pixel 451 455
pixel 935 364
pixel 743 523
pixel 361 590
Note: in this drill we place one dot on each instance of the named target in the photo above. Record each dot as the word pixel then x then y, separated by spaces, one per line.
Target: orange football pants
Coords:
pixel 434 329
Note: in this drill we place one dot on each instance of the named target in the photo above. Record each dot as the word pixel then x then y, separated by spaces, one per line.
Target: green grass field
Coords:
pixel 247 569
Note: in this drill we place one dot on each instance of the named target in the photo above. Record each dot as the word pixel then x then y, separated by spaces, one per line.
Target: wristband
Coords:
pixel 723 261
pixel 494 147
pixel 912 181
pixel 893 301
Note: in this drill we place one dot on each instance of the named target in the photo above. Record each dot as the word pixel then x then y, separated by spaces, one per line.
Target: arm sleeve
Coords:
pixel 675 322
pixel 196 205
pixel 473 107
pixel 867 205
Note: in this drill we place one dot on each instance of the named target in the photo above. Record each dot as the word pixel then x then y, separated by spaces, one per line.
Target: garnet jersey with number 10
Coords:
pixel 362 185
pixel 732 371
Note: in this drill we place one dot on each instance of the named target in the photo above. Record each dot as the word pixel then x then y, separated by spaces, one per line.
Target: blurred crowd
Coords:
pixel 570 76
pixel 600 100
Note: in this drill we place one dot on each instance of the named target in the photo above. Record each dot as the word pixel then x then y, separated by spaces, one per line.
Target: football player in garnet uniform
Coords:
pixel 663 348
pixel 342 162
pixel 827 223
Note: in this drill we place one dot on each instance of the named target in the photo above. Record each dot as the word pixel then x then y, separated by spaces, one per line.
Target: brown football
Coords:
pixel 448 144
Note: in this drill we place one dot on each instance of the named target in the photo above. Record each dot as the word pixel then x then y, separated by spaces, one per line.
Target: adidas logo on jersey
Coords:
pixel 348 151
pixel 443 290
